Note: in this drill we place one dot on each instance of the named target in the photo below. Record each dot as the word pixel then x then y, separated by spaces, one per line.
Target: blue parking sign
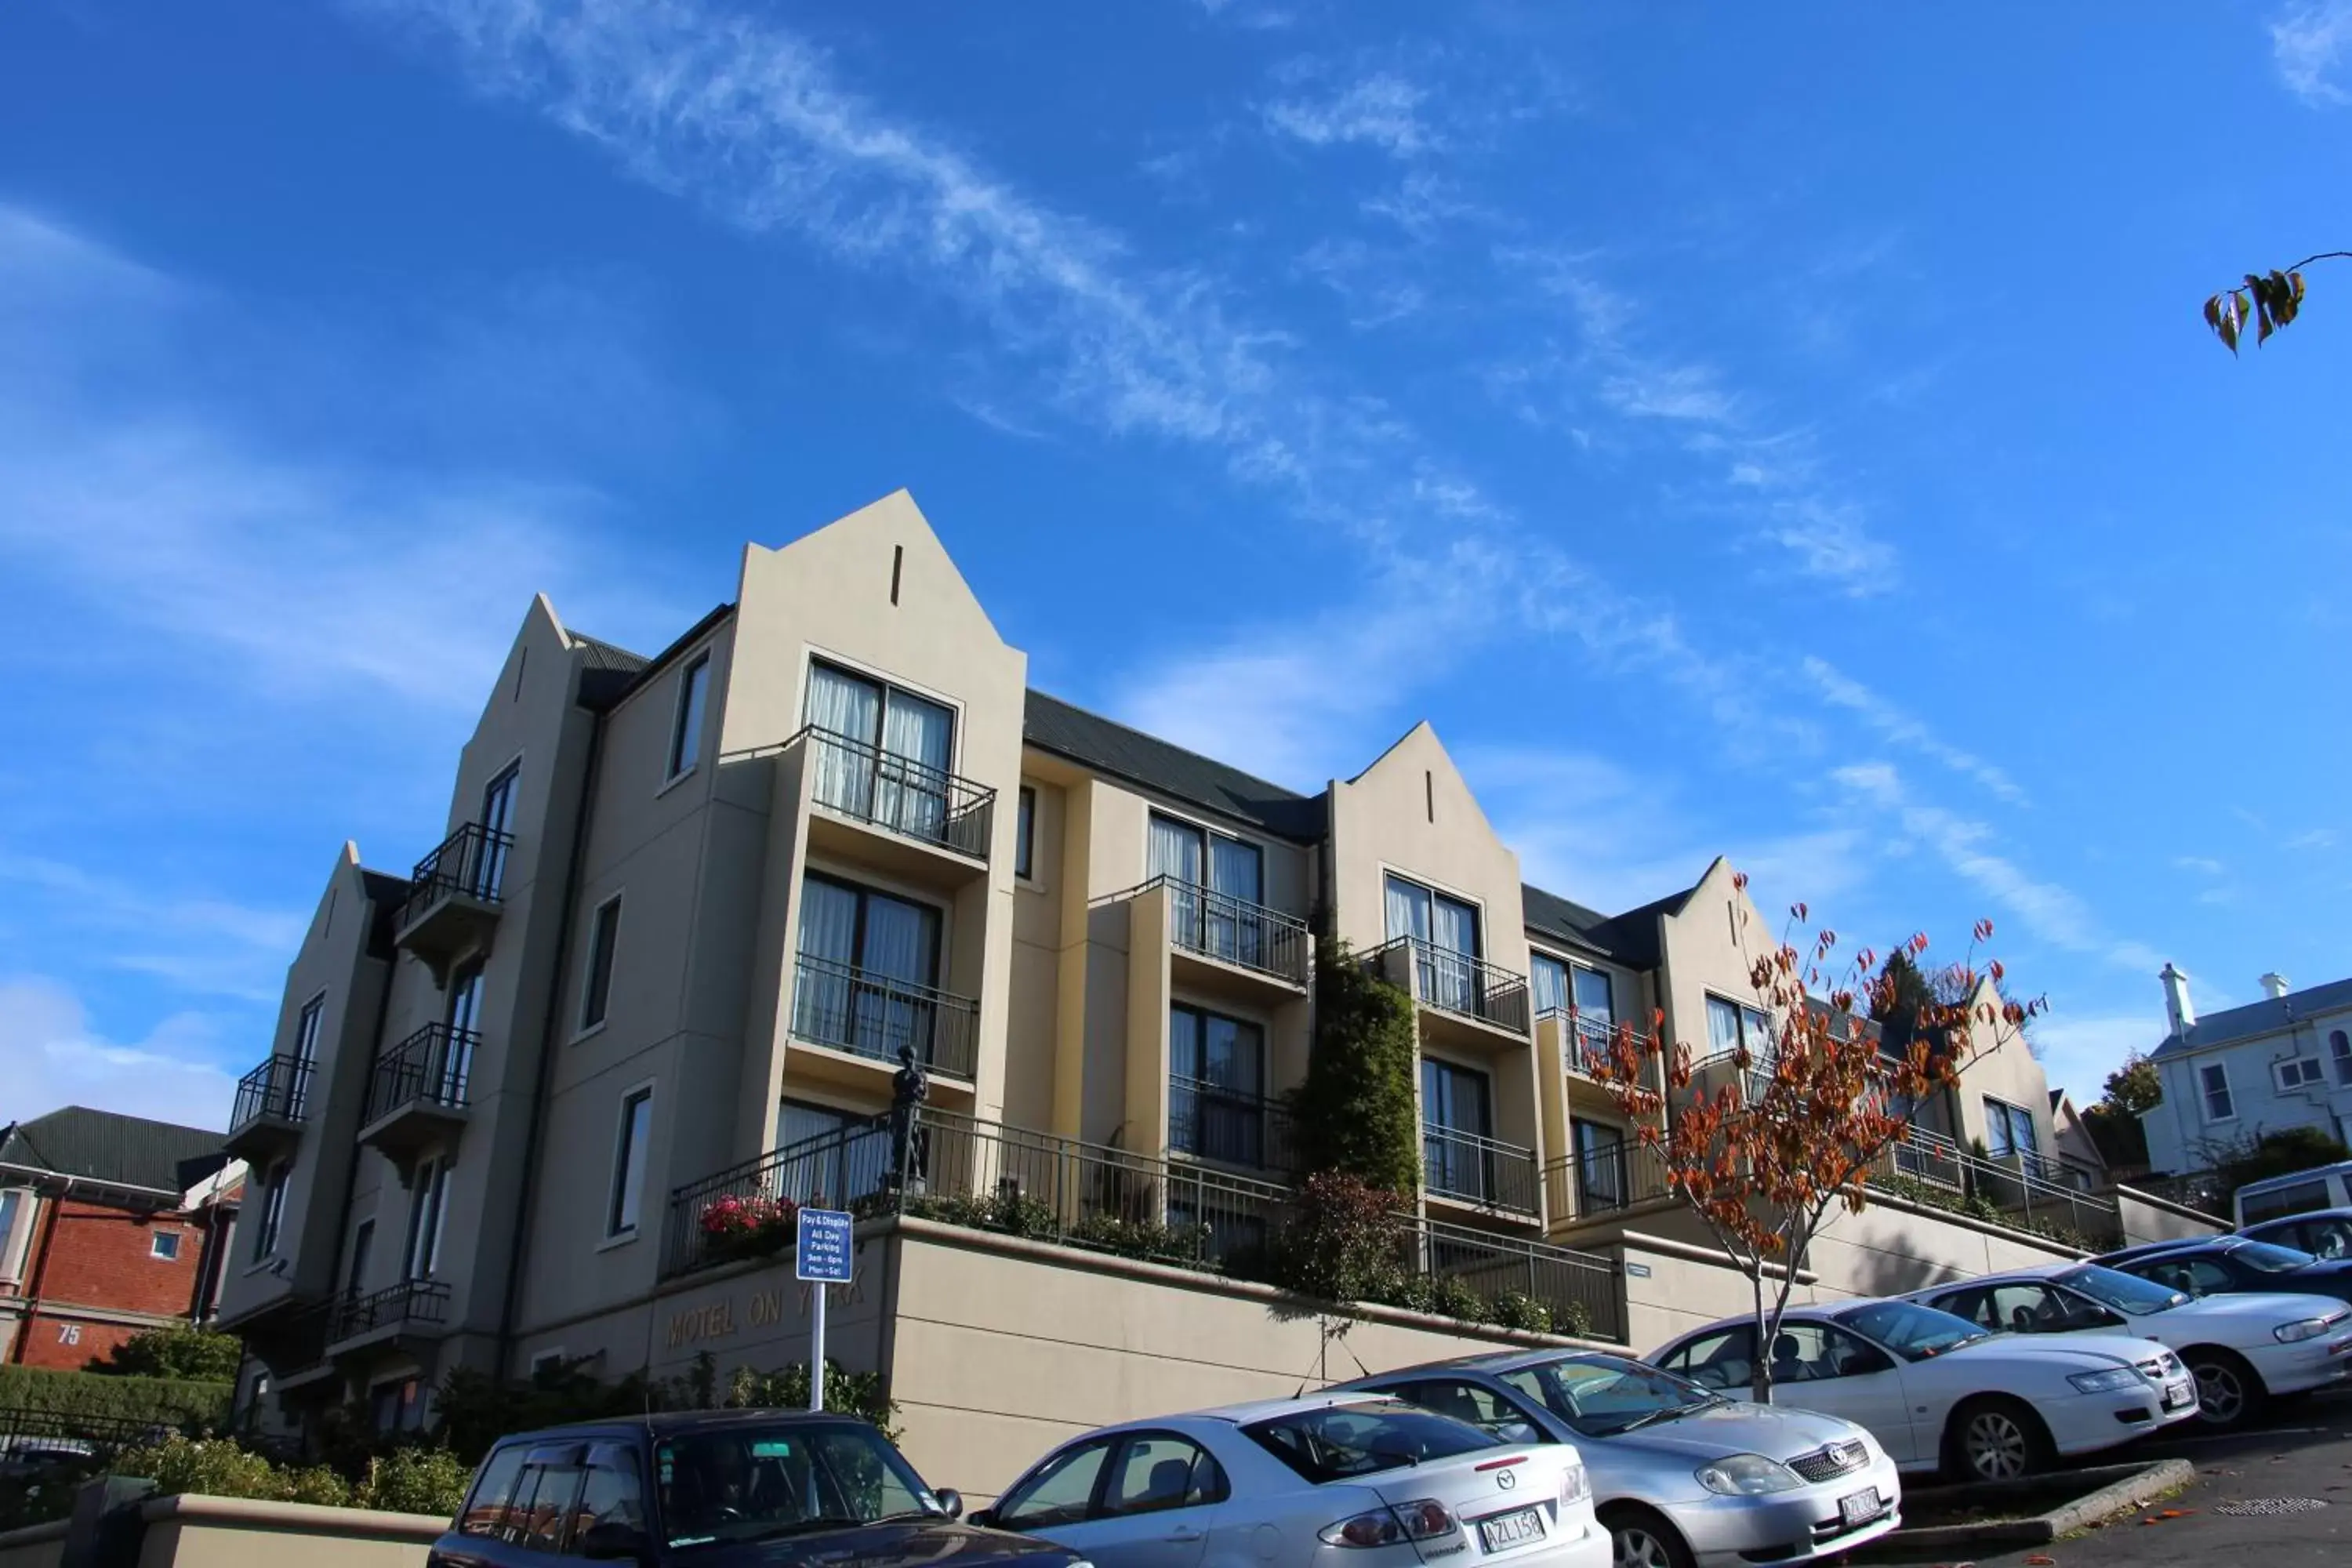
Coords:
pixel 824 1246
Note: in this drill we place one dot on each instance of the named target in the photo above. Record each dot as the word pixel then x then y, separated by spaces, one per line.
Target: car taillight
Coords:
pixel 1423 1521
pixel 1575 1485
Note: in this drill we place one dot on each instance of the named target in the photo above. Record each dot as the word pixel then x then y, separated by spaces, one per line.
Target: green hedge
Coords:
pixel 170 1401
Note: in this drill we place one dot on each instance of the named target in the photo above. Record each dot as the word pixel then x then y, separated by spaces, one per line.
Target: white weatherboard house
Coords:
pixel 2283 1061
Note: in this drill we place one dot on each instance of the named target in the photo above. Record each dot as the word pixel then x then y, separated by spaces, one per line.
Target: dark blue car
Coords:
pixel 2225 1265
pixel 719 1489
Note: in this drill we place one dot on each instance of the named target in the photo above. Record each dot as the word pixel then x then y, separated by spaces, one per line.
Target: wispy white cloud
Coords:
pixel 50 1056
pixel 1382 110
pixel 1895 726
pixel 2078 1052
pixel 2203 865
pixel 2316 839
pixel 2311 45
pixel 202 945
pixel 1373 286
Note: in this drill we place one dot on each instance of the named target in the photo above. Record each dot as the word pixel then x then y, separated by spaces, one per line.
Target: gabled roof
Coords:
pixel 1630 939
pixel 121 1150
pixel 1110 747
pixel 2270 1016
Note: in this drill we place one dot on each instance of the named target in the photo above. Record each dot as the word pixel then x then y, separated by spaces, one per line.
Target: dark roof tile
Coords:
pixel 103 1146
pixel 2270 1016
pixel 1054 725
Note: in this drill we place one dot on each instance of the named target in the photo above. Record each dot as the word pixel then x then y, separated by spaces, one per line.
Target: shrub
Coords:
pixel 1455 1297
pixel 1357 1113
pixel 1345 1242
pixel 1518 1309
pixel 1185 1246
pixel 166 1402
pixel 181 1350
pixel 1573 1318
pixel 749 1227
pixel 415 1481
pixel 217 1466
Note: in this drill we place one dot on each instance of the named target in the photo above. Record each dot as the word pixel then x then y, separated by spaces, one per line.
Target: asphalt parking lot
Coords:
pixel 2303 1455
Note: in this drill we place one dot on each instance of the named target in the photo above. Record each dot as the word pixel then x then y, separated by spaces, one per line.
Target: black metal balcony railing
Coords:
pixel 1461 983
pixel 432 1066
pixel 280 1090
pixel 870 1014
pixel 1561 1277
pixel 1235 931
pixel 419 1302
pixel 1230 1126
pixel 470 863
pixel 2204 1191
pixel 1474 1168
pixel 864 781
pixel 1604 1180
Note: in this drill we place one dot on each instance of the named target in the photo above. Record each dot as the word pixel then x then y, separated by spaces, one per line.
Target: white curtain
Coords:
pixel 1178 853
pixel 828 932
pixel 1551 980
pixel 842 704
pixel 1455 982
pixel 1722 1027
pixel 914 798
pixel 1236 870
pixel 1408 910
pixel 1235 931
pixel 1234 1056
pixel 901 942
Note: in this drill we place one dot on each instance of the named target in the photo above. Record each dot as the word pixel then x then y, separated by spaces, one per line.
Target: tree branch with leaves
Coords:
pixel 1797 1128
pixel 2269 299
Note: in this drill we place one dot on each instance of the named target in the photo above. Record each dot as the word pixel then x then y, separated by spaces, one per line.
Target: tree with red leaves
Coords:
pixel 1766 1157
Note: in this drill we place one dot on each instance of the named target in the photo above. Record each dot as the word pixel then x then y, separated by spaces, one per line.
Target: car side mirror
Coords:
pixel 985 1517
pixel 1867 1360
pixel 616 1541
pixel 951 1501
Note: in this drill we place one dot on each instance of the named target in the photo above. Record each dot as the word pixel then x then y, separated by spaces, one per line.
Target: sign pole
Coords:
pixel 821 1259
pixel 817 1345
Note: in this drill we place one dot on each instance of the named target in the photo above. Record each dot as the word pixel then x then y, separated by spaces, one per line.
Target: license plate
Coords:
pixel 1510 1529
pixel 1859 1509
pixel 2178 1396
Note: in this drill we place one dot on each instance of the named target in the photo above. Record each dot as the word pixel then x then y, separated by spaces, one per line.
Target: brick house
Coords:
pixel 108 1224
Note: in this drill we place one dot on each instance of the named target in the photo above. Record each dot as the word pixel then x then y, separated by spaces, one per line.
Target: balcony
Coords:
pixel 1485 1173
pixel 413 1307
pixel 272 1102
pixel 1226 944
pixel 452 908
pixel 1228 1126
pixel 416 1095
pixel 872 1015
pixel 1467 1000
pixel 902 813
pixel 1604 1180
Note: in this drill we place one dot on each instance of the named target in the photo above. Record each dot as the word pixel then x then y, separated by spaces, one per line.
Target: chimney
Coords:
pixel 2177 1007
pixel 2273 984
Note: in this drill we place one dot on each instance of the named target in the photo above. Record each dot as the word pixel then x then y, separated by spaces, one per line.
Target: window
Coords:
pixel 614 1492
pixel 497 821
pixel 2009 1132
pixel 1733 1028
pixel 629 1163
pixel 1599 1167
pixel 1816 1352
pixel 1456 1123
pixel 2032 1309
pixel 685 729
pixel 1335 1442
pixel 1725 1358
pixel 1446 930
pixel 1024 836
pixel 545 1499
pixel 2269 1203
pixel 894 768
pixel 603 937
pixel 305 1031
pixel 12 1202
pixel 1216 1069
pixel 485 1512
pixel 273 1210
pixel 2301 1072
pixel 1224 922
pixel 868 966
pixel 1155 1471
pixel 1549 976
pixel 1061 1491
pixel 2213 1077
pixel 362 1243
pixel 2329 1238
pixel 164 1246
pixel 2340 1048
pixel 1471 1403
pixel 428 1204
pixel 854 1162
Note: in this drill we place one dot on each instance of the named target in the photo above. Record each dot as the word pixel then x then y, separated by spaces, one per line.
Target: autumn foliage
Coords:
pixel 2268 300
pixel 1765 1151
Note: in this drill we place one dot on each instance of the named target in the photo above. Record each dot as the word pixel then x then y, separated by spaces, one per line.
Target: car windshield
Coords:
pixel 1334 1442
pixel 742 1483
pixel 2269 1257
pixel 1910 1331
pixel 2126 1293
pixel 1601 1395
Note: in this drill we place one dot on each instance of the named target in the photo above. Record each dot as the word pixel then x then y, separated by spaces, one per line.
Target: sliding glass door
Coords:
pixel 1216 888
pixel 895 771
pixel 1447 933
pixel 868 969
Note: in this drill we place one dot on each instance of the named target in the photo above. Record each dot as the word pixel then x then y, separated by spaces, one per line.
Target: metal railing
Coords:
pixel 2207 1192
pixel 421 1301
pixel 1232 1126
pixel 871 1014
pixel 1572 1284
pixel 1924 1155
pixel 1472 1169
pixel 1233 931
pixel 861 780
pixel 470 863
pixel 1603 1180
pixel 431 1065
pixel 279 1089
pixel 32 1433
pixel 1460 983
pixel 745 1209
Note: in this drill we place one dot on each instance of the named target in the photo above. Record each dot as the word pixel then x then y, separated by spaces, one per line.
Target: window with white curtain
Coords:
pixel 1730 1027
pixel 1216 1105
pixel 1447 931
pixel 895 769
pixel 868 963
pixel 1227 923
pixel 1548 977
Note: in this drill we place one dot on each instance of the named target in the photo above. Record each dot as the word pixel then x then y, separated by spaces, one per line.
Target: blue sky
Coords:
pixel 1788 436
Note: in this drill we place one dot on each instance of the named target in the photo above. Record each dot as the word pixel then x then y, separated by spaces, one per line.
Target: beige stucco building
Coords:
pixel 689 908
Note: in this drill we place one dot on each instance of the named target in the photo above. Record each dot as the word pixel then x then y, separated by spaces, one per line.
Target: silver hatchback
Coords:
pixel 1683 1476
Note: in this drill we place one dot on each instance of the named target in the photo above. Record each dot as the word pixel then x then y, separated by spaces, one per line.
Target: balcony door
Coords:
pixel 1447 931
pixel 1216 1099
pixel 1456 1128
pixel 895 772
pixel 869 970
pixel 1216 886
pixel 498 820
pixel 446 1080
pixel 1599 1167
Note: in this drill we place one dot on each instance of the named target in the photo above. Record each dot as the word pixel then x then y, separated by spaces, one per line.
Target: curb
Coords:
pixel 2144 1484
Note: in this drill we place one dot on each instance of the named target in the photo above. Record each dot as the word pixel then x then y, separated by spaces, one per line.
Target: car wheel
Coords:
pixel 1996 1441
pixel 1640 1539
pixel 2229 1392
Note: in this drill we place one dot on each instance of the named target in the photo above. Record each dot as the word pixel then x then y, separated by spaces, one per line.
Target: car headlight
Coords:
pixel 2302 1329
pixel 2114 1380
pixel 1575 1485
pixel 1748 1474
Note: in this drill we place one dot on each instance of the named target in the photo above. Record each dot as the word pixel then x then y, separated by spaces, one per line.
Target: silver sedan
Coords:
pixel 1683 1476
pixel 1333 1480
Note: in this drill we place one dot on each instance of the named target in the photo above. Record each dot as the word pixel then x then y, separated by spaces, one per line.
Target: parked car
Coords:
pixel 2223 1265
pixel 2305 1192
pixel 1935 1390
pixel 1682 1476
pixel 1331 1478
pixel 2240 1349
pixel 2326 1233
pixel 719 1489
